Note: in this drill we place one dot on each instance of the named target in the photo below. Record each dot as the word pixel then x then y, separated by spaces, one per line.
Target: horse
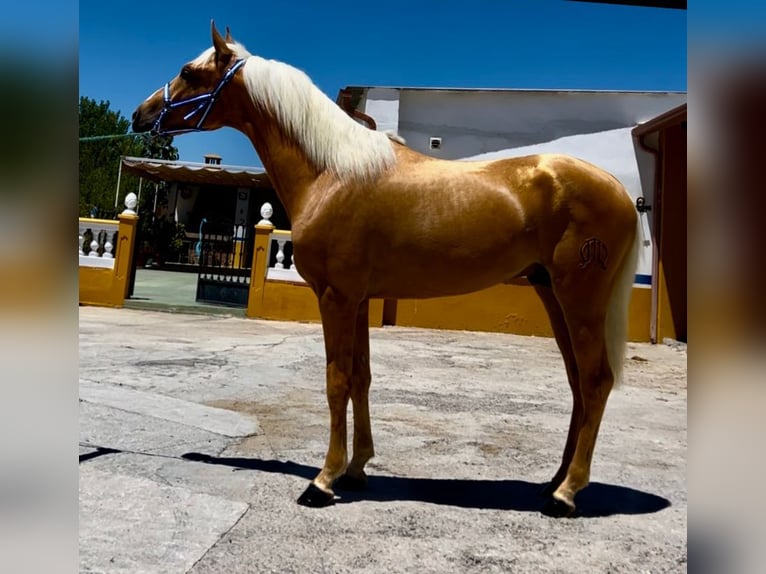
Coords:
pixel 409 220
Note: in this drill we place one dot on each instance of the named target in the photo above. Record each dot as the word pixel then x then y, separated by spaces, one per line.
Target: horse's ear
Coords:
pixel 221 49
pixel 228 38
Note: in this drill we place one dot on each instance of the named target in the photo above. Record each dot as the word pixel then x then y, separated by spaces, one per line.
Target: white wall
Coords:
pixel 473 122
pixel 382 104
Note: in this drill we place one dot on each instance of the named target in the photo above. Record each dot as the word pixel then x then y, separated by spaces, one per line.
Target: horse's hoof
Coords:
pixel 353 483
pixel 548 489
pixel 315 497
pixel 558 508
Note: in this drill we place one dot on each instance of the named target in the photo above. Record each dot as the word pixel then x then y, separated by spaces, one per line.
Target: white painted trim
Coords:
pixel 101 262
pixel 284 275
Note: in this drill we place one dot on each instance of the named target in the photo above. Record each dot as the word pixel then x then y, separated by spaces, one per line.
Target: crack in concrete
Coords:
pixel 221 537
pixel 193 362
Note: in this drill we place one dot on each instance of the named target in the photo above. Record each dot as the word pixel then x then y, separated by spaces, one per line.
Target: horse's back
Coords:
pixel 556 177
pixel 556 186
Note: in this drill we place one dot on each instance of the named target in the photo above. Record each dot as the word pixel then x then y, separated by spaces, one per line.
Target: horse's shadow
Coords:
pixel 595 501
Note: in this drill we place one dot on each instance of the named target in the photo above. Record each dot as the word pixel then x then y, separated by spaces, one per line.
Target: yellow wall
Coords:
pixel 505 309
pixel 285 301
pixel 639 315
pixel 97 287
pixel 665 326
pixel 289 302
pixel 108 287
pixel 502 308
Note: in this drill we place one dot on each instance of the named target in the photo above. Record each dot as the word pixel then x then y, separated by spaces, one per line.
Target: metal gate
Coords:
pixel 225 254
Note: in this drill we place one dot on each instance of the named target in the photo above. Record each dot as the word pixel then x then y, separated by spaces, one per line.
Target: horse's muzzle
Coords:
pixel 139 123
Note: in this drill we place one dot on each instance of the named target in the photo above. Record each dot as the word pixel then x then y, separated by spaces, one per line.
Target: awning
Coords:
pixel 196 173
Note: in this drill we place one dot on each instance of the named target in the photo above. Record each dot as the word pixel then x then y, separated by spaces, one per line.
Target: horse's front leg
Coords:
pixel 338 322
pixel 355 477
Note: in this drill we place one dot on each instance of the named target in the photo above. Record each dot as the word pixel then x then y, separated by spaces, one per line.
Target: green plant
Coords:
pixel 161 237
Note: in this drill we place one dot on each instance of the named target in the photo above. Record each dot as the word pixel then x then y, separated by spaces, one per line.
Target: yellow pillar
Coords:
pixel 237 262
pixel 258 270
pixel 123 258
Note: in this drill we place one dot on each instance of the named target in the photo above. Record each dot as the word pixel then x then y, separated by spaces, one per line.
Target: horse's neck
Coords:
pixel 287 166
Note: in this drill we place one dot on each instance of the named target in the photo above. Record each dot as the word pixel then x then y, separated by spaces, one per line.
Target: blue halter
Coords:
pixel 205 103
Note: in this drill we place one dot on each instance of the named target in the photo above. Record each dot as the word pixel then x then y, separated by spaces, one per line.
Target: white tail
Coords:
pixel 616 326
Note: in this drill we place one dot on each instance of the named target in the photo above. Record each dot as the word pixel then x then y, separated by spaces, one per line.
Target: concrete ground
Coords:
pixel 198 433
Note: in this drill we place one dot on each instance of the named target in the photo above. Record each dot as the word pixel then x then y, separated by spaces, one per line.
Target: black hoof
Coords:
pixel 347 482
pixel 557 508
pixel 315 497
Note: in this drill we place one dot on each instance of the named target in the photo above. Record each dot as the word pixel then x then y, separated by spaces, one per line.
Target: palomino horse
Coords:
pixel 409 222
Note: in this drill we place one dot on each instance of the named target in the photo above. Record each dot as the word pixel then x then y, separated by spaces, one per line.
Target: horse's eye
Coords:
pixel 186 73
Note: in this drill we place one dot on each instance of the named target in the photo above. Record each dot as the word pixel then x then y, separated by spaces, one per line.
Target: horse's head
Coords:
pixel 186 103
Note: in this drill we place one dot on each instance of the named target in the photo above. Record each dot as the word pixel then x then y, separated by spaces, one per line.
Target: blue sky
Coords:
pixel 129 49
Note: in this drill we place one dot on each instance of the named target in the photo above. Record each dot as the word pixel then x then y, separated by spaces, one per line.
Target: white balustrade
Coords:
pixel 280 254
pixel 100 252
pixel 284 269
pixel 103 232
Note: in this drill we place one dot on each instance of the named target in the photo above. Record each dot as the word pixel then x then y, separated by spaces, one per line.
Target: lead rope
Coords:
pixel 109 137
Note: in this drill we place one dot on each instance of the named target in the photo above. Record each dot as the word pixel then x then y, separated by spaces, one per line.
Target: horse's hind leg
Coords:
pixel 338 322
pixel 585 318
pixel 355 477
pixel 561 332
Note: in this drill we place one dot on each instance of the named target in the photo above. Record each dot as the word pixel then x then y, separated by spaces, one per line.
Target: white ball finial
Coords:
pixel 130 204
pixel 266 212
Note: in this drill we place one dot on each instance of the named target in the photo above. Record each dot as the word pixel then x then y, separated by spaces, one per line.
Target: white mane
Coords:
pixel 325 133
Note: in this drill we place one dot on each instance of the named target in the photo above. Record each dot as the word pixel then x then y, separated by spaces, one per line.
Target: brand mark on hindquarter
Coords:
pixel 593 250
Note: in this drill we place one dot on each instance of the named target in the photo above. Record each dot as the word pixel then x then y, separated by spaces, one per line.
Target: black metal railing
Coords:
pixel 225 256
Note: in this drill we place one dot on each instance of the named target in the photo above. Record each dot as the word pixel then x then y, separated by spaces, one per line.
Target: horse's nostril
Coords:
pixel 136 120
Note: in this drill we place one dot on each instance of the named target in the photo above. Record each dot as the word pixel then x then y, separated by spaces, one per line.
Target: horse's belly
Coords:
pixel 423 274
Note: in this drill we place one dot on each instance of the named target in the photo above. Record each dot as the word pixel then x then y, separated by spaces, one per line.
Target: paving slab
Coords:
pixel 220 421
pixel 109 430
